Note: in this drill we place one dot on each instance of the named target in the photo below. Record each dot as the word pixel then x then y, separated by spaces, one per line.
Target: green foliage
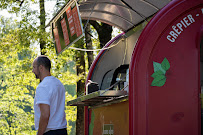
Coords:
pixel 18 83
pixel 16 98
pixel 14 6
pixel 18 39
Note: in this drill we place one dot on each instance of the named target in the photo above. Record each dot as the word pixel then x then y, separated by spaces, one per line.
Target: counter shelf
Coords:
pixel 100 98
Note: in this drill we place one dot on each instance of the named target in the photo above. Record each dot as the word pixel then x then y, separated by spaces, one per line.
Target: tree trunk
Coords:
pixel 104 31
pixel 42 26
pixel 88 41
pixel 80 68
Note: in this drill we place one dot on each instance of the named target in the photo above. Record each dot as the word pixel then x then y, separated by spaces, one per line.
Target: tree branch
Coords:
pixel 95 24
pixel 21 3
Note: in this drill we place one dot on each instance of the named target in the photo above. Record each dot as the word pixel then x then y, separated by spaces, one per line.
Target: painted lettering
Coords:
pixel 173 34
pixel 170 38
pixel 191 19
pixel 178 28
pixel 70 18
pixel 71 21
pixel 179 25
pixel 183 24
pixel 186 21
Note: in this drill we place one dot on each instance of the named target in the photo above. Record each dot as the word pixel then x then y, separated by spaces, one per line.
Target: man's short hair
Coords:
pixel 44 61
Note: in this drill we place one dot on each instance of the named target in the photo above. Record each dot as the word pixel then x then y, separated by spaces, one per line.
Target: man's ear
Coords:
pixel 40 67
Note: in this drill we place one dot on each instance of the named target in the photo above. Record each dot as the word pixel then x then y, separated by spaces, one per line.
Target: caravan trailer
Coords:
pixel 149 77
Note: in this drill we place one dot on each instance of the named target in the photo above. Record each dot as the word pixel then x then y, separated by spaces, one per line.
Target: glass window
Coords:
pixel 106 81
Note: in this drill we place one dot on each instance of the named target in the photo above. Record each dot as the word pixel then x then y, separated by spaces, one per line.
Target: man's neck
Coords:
pixel 43 76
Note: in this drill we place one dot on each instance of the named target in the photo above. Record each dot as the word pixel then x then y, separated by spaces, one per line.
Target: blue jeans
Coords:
pixel 56 132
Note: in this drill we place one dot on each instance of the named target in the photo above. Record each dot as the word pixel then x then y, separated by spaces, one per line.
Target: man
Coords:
pixel 49 103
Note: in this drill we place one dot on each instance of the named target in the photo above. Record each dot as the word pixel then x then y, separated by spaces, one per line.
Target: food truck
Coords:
pixel 149 77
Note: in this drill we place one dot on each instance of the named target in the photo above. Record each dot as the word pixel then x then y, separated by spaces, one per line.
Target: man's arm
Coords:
pixel 44 118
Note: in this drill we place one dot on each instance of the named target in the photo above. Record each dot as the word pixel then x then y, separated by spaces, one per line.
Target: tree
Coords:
pixel 42 26
pixel 104 31
pixel 18 84
pixel 16 98
pixel 88 41
pixel 16 48
pixel 80 68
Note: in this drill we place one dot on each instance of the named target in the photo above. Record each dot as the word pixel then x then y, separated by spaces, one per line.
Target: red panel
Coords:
pixel 65 31
pixel 57 40
pixel 70 21
pixel 167 102
pixel 76 21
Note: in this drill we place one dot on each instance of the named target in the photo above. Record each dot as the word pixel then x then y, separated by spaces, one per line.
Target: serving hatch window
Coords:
pixel 106 81
pixel 116 79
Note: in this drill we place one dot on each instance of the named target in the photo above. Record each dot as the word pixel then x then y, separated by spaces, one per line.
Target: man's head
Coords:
pixel 41 67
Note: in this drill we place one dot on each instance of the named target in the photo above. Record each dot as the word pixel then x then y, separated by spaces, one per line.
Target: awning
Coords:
pixel 123 14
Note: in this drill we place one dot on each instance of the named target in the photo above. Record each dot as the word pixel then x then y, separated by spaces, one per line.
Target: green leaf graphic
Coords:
pixel 157 67
pixel 159 81
pixel 165 64
pixel 157 73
